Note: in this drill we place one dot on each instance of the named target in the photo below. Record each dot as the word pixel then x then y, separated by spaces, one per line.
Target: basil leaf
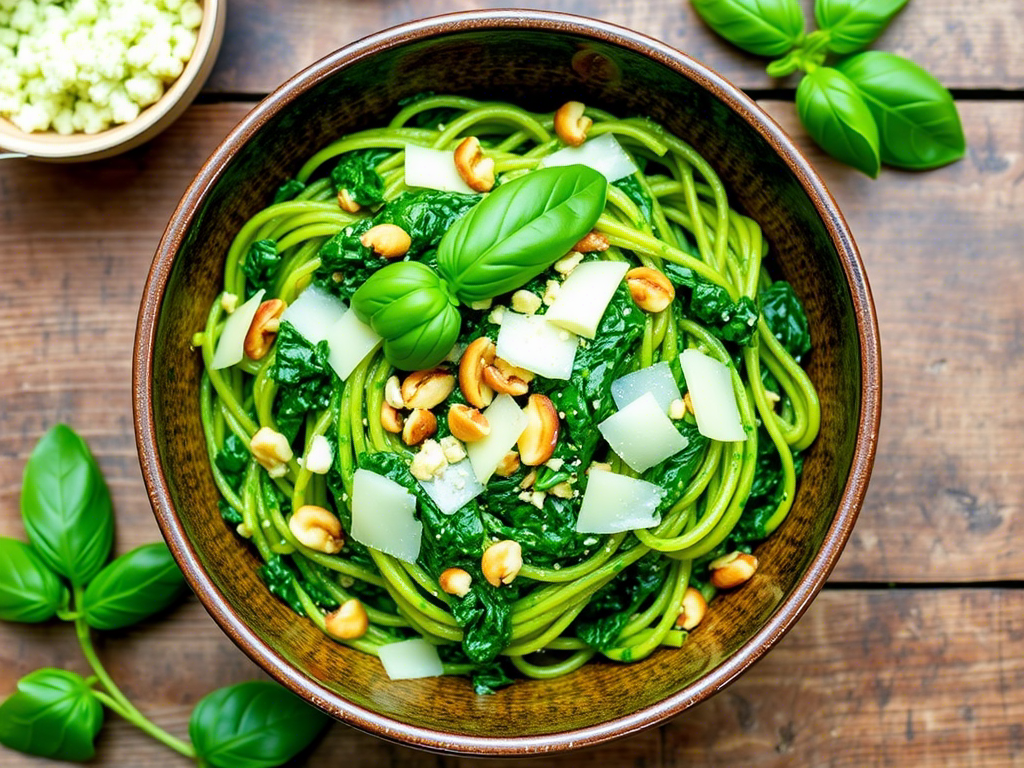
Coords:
pixel 411 307
pixel 53 714
pixel 853 24
pixel 519 230
pixel 836 117
pixel 918 124
pixel 29 591
pixel 134 586
pixel 252 725
pixel 66 506
pixel 764 27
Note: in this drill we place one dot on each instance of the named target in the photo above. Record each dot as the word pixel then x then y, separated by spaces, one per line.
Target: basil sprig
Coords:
pixel 57 714
pixel 865 110
pixel 502 243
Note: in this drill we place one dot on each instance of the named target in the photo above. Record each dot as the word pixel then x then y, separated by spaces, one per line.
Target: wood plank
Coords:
pixel 868 677
pixel 942 250
pixel 965 43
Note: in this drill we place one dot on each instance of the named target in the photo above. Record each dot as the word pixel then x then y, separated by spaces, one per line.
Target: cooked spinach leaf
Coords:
pixel 631 186
pixel 345 263
pixel 230 515
pixel 547 535
pixel 261 266
pixel 765 492
pixel 357 172
pixel 288 191
pixel 232 460
pixel 309 379
pixel 674 473
pixel 279 574
pixel 456 540
pixel 786 319
pixel 601 622
pixel 710 304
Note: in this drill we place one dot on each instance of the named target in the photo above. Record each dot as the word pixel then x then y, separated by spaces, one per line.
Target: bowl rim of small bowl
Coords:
pixel 52 146
pixel 783 617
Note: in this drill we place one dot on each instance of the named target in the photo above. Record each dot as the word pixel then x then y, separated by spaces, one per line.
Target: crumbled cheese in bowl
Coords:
pixel 81 66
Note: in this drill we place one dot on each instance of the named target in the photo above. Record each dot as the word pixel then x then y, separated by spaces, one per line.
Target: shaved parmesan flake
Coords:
pixel 433 169
pixel 531 342
pixel 614 503
pixel 713 398
pixel 382 516
pixel 507 422
pixel 584 296
pixel 350 340
pixel 602 153
pixel 455 488
pixel 231 345
pixel 642 434
pixel 410 659
pixel 656 379
pixel 313 313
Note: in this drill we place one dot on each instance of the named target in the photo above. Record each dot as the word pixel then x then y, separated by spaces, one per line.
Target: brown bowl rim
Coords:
pixel 791 608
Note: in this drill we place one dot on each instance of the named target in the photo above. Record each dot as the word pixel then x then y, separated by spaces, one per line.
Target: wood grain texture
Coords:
pixel 941 250
pixel 966 44
pixel 929 678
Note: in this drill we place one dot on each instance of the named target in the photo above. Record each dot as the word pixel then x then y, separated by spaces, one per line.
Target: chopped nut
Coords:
pixel 243 530
pixel 571 125
pixel 455 581
pixel 467 423
pixel 529 480
pixel 347 203
pixel 391 419
pixel 263 329
pixel 506 379
pixel 348 622
pixel 651 290
pixel 420 425
pixel 526 302
pixel 508 465
pixel 389 241
pixel 453 449
pixel 537 499
pixel 272 450
pixel 501 562
pixel 569 262
pixel 538 440
pixel 732 570
pixel 599 465
pixel 429 462
pixel 677 409
pixel 317 528
pixel 561 490
pixel 475 169
pixel 592 242
pixel 228 302
pixel 555 464
pixel 393 393
pixel 425 389
pixel 319 457
pixel 688 402
pixel 478 355
pixel 551 291
pixel 692 609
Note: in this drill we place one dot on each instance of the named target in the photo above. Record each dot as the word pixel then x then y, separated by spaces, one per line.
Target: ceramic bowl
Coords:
pixel 79 147
pixel 539 60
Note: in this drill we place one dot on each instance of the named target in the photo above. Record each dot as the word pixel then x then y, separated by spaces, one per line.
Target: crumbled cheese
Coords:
pixel 429 462
pixel 569 262
pixel 453 449
pixel 555 464
pixel 676 409
pixel 525 302
pixel 537 499
pixel 84 65
pixel 320 456
pixel 551 290
pixel 481 305
pixel 497 315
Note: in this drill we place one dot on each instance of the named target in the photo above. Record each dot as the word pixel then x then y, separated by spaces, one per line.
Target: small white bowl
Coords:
pixel 76 147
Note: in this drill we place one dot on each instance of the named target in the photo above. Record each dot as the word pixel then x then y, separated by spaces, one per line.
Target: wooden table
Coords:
pixel 913 654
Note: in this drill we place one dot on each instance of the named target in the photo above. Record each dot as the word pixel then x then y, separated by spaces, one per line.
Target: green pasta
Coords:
pixel 576 596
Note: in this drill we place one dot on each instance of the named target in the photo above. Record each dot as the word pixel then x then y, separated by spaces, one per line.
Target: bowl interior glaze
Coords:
pixel 538 60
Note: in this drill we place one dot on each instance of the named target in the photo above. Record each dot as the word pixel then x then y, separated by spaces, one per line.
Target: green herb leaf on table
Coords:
pixel 918 124
pixel 52 714
pixel 134 586
pixel 838 119
pixel 411 307
pixel 253 725
pixel 29 591
pixel 66 506
pixel 762 27
pixel 519 230
pixel 854 24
